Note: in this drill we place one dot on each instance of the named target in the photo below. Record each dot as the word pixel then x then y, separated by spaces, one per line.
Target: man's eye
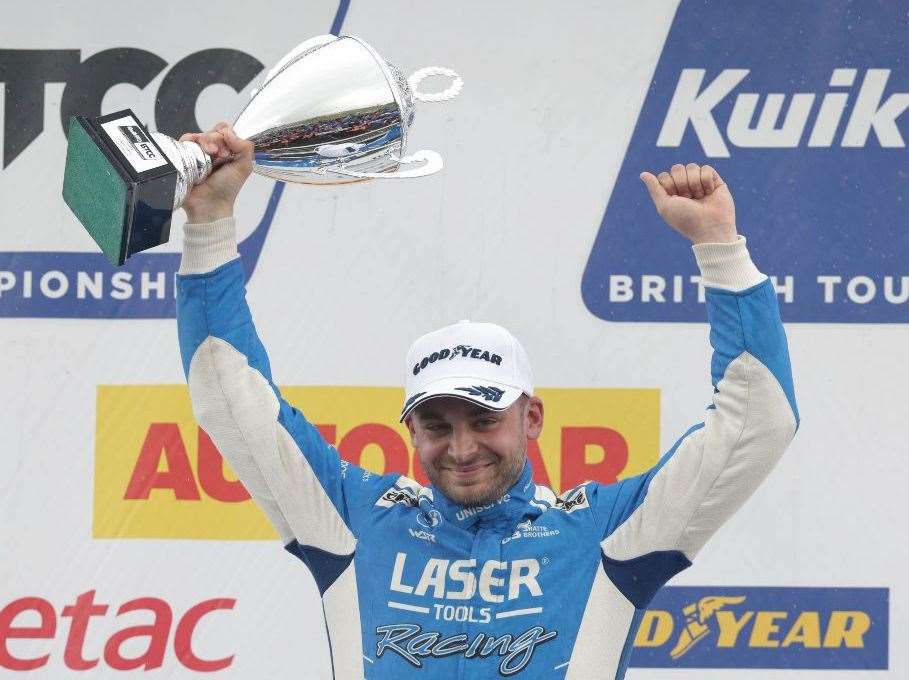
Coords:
pixel 436 427
pixel 486 422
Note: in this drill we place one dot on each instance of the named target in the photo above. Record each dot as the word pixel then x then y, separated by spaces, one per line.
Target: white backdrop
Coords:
pixel 349 276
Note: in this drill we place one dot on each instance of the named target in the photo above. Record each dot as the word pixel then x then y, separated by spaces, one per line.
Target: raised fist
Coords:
pixel 694 200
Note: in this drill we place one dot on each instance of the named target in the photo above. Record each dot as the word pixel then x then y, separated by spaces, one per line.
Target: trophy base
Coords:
pixel 119 184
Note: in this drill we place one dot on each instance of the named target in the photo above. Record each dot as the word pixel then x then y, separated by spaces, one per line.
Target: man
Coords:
pixel 484 573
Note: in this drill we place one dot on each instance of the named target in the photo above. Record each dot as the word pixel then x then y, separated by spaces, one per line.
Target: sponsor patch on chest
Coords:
pixel 576 499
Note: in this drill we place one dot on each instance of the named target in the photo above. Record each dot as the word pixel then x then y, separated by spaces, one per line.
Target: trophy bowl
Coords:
pixel 332 111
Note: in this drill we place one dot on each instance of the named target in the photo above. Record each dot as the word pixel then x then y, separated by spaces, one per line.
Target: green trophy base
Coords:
pixel 119 184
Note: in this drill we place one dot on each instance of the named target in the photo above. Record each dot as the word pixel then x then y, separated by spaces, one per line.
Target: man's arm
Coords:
pixel 292 473
pixel 658 521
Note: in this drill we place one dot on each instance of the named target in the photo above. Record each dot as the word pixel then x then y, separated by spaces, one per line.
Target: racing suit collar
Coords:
pixel 502 514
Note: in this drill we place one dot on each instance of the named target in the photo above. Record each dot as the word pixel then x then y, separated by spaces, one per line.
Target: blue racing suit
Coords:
pixel 534 585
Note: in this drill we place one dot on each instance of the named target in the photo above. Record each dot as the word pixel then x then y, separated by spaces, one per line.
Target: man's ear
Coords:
pixel 533 417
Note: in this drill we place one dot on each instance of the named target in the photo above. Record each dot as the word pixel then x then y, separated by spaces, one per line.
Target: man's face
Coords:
pixel 474 455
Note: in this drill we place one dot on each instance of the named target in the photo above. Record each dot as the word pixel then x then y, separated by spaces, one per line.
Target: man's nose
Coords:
pixel 463 445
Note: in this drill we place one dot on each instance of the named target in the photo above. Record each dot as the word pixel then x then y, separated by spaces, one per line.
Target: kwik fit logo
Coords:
pixel 84 284
pixel 811 142
pixel 807 628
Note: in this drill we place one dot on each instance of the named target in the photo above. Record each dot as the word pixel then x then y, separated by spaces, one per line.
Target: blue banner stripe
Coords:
pixel 727 627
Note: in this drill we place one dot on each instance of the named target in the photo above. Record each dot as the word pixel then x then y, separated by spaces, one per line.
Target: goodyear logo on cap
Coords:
pixel 806 628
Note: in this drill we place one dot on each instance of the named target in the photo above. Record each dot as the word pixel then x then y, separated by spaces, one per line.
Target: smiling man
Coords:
pixel 484 573
pixel 473 455
pixel 469 410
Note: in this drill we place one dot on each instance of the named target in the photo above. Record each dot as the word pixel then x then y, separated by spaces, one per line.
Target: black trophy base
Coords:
pixel 119 184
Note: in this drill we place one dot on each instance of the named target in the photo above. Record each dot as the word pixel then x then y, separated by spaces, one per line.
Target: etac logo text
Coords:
pixel 804 628
pixel 86 634
pixel 811 141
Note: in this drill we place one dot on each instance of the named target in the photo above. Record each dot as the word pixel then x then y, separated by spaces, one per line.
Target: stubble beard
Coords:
pixel 507 474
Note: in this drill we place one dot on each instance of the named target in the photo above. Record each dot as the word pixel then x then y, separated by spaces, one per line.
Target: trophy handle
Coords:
pixel 431 163
pixel 417 77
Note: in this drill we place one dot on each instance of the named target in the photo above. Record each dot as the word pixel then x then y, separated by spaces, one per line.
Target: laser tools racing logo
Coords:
pixel 454 582
pixel 812 143
pixel 410 642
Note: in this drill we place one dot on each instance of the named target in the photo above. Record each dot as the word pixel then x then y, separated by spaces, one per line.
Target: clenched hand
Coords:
pixel 214 198
pixel 694 200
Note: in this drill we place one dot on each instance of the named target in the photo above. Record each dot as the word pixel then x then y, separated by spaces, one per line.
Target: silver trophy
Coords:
pixel 332 111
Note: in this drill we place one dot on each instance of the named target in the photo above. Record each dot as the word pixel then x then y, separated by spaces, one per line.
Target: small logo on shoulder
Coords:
pixel 573 502
pixel 397 495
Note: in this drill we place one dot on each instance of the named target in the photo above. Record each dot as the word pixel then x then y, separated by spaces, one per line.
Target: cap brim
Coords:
pixel 486 393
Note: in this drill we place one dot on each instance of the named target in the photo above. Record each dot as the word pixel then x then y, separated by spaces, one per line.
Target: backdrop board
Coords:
pixel 130 546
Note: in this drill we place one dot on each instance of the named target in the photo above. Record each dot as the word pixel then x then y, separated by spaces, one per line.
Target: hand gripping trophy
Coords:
pixel 331 111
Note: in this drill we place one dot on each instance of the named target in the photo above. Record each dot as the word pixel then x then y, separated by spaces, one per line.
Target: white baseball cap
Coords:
pixel 478 362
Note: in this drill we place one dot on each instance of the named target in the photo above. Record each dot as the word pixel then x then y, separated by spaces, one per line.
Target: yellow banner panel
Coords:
pixel 158 475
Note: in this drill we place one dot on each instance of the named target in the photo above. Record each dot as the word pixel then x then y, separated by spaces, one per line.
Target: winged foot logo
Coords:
pixel 697 616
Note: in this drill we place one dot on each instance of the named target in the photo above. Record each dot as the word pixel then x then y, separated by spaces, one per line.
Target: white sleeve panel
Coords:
pixel 341 604
pixel 597 646
pixel 237 407
pixel 714 470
